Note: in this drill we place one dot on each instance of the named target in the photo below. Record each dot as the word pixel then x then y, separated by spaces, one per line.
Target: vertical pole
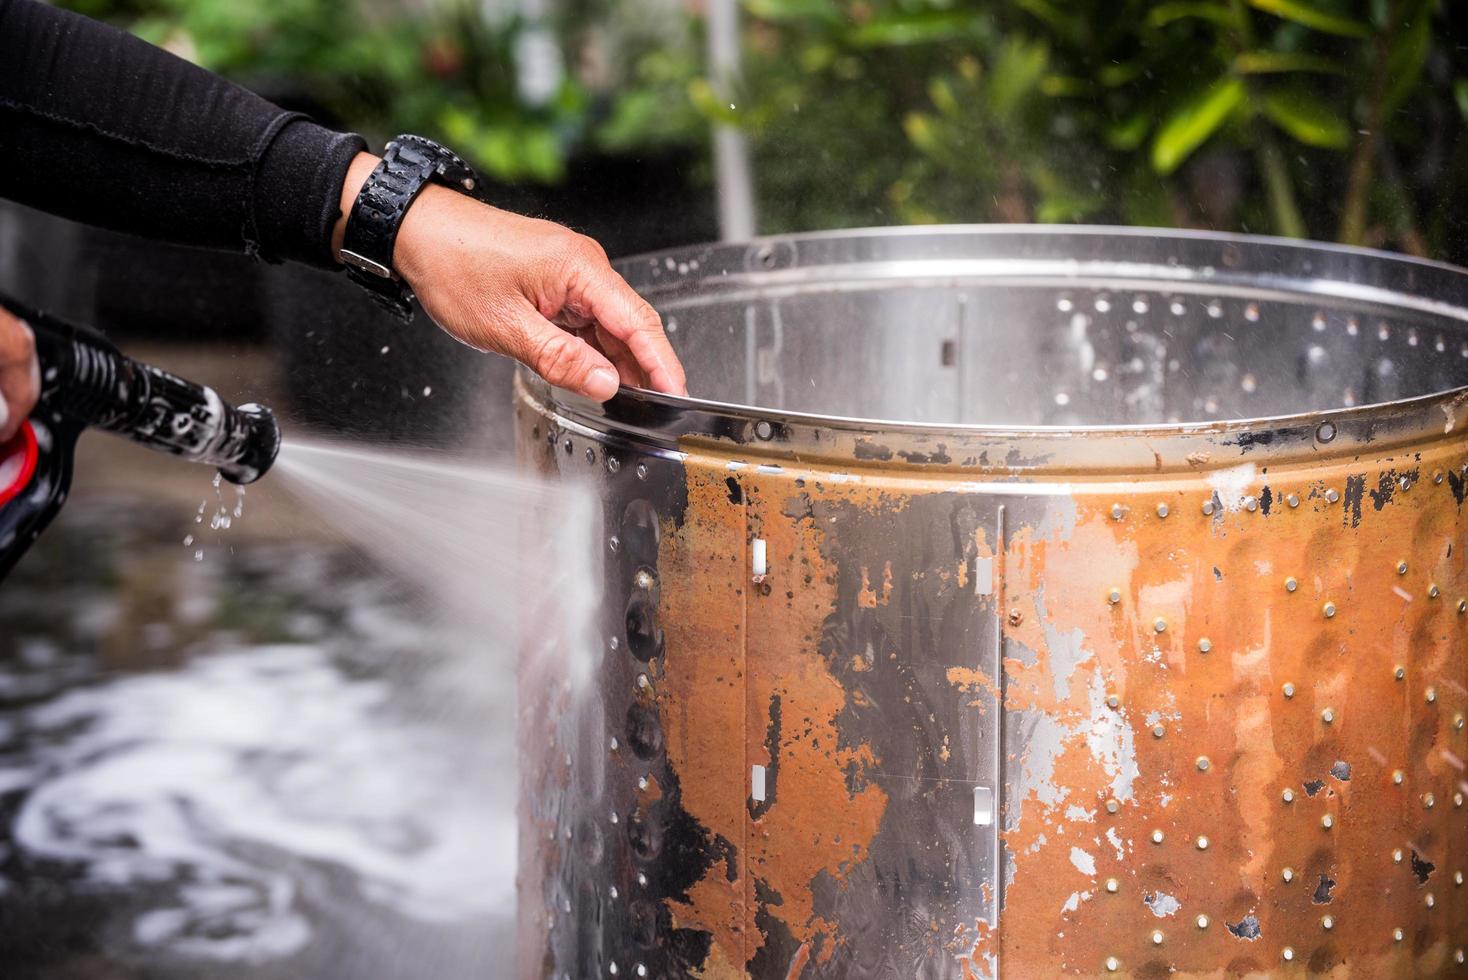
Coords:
pixel 734 179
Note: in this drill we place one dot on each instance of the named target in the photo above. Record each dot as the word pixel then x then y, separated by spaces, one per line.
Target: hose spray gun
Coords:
pixel 85 381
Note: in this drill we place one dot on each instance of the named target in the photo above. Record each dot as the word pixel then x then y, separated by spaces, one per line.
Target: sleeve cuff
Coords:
pixel 296 194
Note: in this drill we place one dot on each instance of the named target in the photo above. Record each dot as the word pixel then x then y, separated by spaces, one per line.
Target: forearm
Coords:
pixel 101 127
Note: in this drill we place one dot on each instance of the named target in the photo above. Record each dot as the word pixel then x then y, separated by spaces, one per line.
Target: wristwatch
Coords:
pixel 409 163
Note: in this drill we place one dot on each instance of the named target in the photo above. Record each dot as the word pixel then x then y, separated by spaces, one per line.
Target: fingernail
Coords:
pixel 602 384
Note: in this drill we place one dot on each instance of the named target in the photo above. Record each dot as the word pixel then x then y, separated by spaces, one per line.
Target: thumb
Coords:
pixel 563 359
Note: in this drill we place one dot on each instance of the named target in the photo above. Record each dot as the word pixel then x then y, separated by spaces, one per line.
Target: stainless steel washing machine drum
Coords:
pixel 1015 601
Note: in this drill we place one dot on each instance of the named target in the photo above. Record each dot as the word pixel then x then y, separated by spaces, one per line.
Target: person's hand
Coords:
pixel 20 377
pixel 530 289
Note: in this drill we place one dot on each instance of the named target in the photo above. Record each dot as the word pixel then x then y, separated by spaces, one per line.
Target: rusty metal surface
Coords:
pixel 1230 660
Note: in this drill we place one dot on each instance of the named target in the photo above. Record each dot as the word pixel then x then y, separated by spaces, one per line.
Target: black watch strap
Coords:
pixel 409 163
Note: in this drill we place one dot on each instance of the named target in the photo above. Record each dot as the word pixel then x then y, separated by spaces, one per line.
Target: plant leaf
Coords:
pixel 1320 20
pixel 1307 118
pixel 1128 133
pixel 1165 13
pixel 1274 62
pixel 926 27
pixel 1016 72
pixel 793 10
pixel 1408 54
pixel 1193 122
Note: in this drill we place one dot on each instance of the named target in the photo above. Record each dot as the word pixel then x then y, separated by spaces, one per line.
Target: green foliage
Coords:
pixel 381 69
pixel 1337 118
pixel 874 111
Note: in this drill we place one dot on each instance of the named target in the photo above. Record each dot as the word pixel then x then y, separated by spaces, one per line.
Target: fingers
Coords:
pixel 626 316
pixel 20 381
pixel 561 358
pixel 618 354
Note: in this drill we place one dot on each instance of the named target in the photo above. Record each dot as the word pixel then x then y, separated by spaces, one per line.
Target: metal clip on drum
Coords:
pixel 85 381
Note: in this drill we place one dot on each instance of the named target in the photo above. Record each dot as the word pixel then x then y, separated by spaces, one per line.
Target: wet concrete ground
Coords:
pixel 248 756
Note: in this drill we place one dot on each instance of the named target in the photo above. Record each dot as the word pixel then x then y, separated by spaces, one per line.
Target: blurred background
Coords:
pixel 225 749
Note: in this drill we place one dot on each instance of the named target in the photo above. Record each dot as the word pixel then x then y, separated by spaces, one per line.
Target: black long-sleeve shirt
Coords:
pixel 101 127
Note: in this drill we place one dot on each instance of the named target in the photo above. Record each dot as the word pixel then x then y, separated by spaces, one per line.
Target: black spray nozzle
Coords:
pixel 88 381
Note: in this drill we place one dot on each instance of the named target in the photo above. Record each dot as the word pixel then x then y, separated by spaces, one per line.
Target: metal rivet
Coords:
pixel 1397 776
pixel 613 543
pixel 1293 501
pixel 1157 937
pixel 644 579
pixel 590 455
pixel 1433 591
pixel 1458 878
pixel 1458 723
pixel 1397 856
pixel 612 967
pixel 1112 964
pixel 641 970
pixel 1114 596
pixel 614 744
pixel 613 464
pixel 642 682
pixel 1428 800
pixel 1117 512
pixel 642 879
pixel 1328 715
pixel 1112 701
pixel 1462 606
pixel 1458 955
pixel 1112 885
pixel 1160 625
pixel 1208 508
pixel 1332 495
pixel 1288 796
pixel 1202 843
pixel 1157 837
pixel 1204 645
pixel 1291 585
pixel 1112 806
pixel 1203 763
pixel 1163 510
pixel 1327 821
pixel 1437 477
pixel 1289 690
pixel 567 446
pixel 764 430
pixel 1201 922
pixel 1400 672
pixel 642 471
pixel 1250 504
pixel 1431 695
pixel 1158 731
pixel 1428 900
pixel 1401 568
pixel 1287 953
pixel 612 891
pixel 615 818
pixel 1397 934
pixel 1288 875
pixel 1329 610
pixel 1327 923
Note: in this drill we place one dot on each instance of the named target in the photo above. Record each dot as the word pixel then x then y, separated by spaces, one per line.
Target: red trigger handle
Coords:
pixel 18 459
